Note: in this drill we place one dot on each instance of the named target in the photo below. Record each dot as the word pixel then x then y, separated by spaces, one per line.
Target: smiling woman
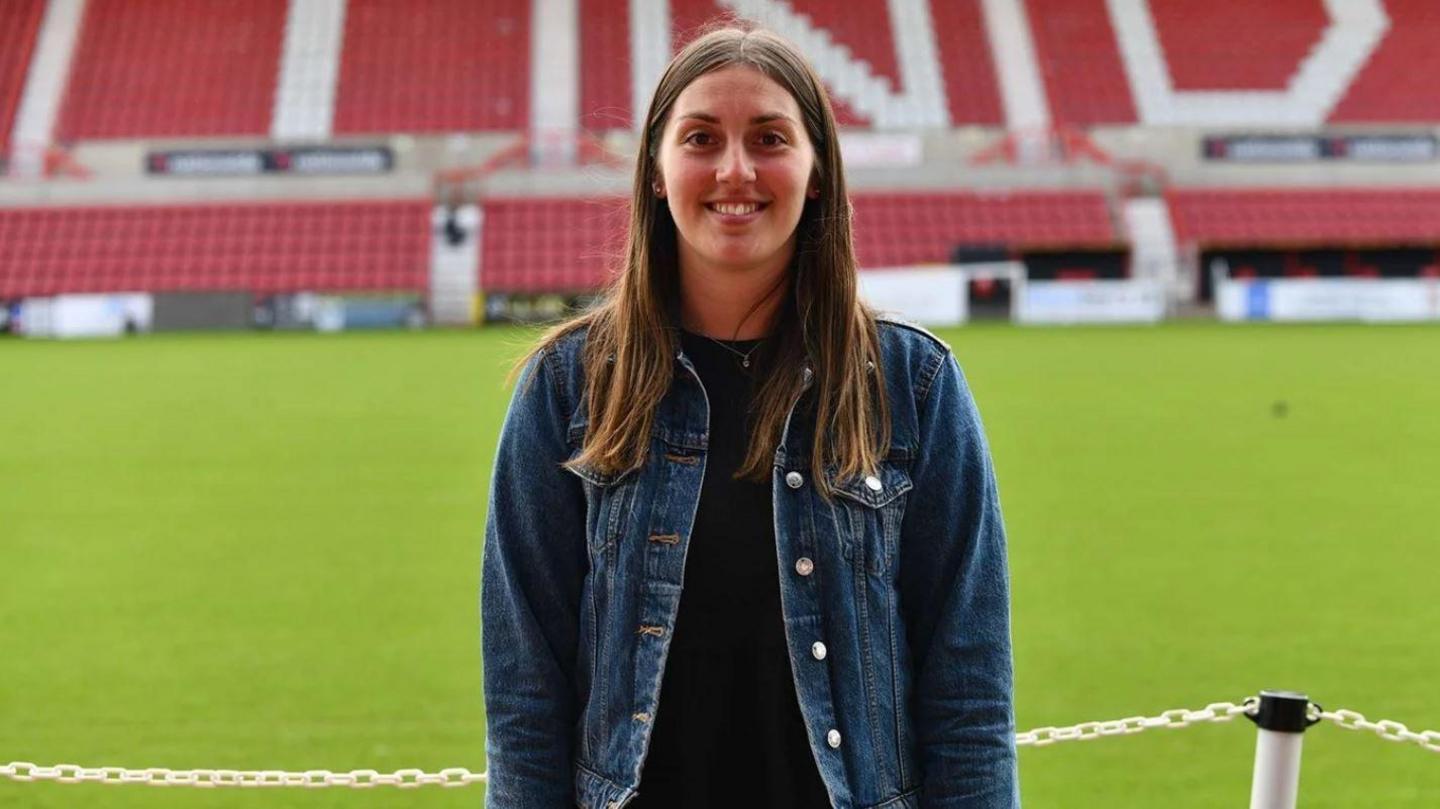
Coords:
pixel 744 545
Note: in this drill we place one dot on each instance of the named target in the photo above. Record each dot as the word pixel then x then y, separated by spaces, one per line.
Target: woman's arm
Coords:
pixel 533 571
pixel 954 593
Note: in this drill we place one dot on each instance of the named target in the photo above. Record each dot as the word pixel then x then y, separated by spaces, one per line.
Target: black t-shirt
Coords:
pixel 728 723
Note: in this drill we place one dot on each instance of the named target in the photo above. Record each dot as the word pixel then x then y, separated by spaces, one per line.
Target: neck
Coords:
pixel 731 304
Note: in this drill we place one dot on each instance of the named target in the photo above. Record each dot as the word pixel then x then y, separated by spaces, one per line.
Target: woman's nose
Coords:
pixel 735 166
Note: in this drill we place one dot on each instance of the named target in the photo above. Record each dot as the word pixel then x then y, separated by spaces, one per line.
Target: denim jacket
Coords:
pixel 894 593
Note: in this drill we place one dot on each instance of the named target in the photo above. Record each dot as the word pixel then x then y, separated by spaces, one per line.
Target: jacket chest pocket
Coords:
pixel 869 509
pixel 609 500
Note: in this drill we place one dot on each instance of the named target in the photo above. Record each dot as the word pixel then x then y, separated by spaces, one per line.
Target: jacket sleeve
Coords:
pixel 954 594
pixel 532 574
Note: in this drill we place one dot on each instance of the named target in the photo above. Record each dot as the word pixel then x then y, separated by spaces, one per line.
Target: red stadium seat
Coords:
pixel 446 66
pixel 260 247
pixel 1373 216
pixel 174 68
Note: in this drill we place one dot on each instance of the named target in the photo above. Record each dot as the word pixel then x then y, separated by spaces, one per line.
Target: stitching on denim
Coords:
pixel 666 539
pixel 928 375
pixel 688 460
pixel 648 629
pixel 557 379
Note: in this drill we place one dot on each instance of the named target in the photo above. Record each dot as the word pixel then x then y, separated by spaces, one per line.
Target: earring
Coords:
pixel 660 190
pixel 814 193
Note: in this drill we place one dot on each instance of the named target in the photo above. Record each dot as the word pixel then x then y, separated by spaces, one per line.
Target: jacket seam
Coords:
pixel 928 375
pixel 913 327
pixel 557 379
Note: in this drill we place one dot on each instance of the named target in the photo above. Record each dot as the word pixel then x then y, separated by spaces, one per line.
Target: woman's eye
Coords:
pixel 772 139
pixel 698 138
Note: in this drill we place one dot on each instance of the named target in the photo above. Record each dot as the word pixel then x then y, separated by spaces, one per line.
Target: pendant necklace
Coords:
pixel 743 355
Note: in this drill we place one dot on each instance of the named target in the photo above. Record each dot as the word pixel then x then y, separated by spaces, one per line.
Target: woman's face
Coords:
pixel 735 166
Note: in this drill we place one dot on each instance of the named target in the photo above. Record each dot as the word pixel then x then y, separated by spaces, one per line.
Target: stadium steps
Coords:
pixel 309 70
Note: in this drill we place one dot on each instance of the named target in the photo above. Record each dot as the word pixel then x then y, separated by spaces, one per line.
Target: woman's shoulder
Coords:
pixel 911 354
pixel 566 347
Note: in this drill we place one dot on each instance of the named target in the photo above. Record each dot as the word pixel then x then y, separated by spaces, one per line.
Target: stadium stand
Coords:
pixel 1397 84
pixel 460 66
pixel 535 245
pixel 277 75
pixel 967 64
pixel 1205 50
pixel 1075 45
pixel 19 23
pixel 1299 217
pixel 173 68
pixel 259 247
pixel 907 229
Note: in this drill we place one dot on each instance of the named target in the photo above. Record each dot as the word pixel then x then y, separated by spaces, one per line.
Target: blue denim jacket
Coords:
pixel 901 575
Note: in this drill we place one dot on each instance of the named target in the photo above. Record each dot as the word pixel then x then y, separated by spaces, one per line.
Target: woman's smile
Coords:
pixel 737 213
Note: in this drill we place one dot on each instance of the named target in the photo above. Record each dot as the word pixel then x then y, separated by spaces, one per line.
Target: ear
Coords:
pixel 659 188
pixel 813 193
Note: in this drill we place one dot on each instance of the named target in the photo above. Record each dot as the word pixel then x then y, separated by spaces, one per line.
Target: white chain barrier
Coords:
pixel 1173 718
pixel 1386 729
pixel 310 779
pixel 458 776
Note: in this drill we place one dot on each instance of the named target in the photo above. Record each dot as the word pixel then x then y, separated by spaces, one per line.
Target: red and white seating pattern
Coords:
pixel 260 247
pixel 187 68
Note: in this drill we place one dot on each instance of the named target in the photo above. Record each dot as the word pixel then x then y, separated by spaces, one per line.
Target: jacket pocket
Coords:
pixel 873 507
pixel 608 500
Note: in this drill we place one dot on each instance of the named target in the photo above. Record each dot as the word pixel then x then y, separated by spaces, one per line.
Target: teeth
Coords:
pixel 735 208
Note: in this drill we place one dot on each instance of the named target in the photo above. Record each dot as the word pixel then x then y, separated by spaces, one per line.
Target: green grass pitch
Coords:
pixel 262 551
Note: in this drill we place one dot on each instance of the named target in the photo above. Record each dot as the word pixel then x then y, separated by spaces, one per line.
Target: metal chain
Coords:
pixel 459 776
pixel 1173 718
pixel 312 779
pixel 1387 729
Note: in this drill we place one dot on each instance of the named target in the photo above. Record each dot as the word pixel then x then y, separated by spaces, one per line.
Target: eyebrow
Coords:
pixel 763 118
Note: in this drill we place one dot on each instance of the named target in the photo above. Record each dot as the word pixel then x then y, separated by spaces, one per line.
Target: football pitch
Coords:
pixel 263 551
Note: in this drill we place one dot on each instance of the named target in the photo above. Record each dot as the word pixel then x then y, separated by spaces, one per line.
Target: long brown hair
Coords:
pixel 632 340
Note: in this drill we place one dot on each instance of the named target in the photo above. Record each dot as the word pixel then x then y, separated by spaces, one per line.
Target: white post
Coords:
pixel 1282 719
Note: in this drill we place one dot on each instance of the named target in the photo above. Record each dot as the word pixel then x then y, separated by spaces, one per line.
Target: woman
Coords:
pixel 744 546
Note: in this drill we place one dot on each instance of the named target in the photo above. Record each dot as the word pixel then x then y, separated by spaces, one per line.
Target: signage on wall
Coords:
pixel 308 160
pixel 1377 148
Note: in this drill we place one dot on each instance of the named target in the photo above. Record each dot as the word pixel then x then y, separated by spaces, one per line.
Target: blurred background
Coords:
pixel 240 525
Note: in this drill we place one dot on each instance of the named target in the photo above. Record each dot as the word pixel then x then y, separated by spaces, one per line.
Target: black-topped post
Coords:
pixel 1282 718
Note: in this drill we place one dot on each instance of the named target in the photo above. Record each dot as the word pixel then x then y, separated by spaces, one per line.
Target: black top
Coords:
pixel 728 725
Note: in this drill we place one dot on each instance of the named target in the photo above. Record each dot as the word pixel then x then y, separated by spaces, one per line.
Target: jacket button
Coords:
pixel 818 649
pixel 804 566
pixel 833 738
pixel 794 480
pixel 873 483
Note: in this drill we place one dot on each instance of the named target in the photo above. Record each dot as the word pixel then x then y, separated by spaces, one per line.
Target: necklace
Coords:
pixel 743 355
